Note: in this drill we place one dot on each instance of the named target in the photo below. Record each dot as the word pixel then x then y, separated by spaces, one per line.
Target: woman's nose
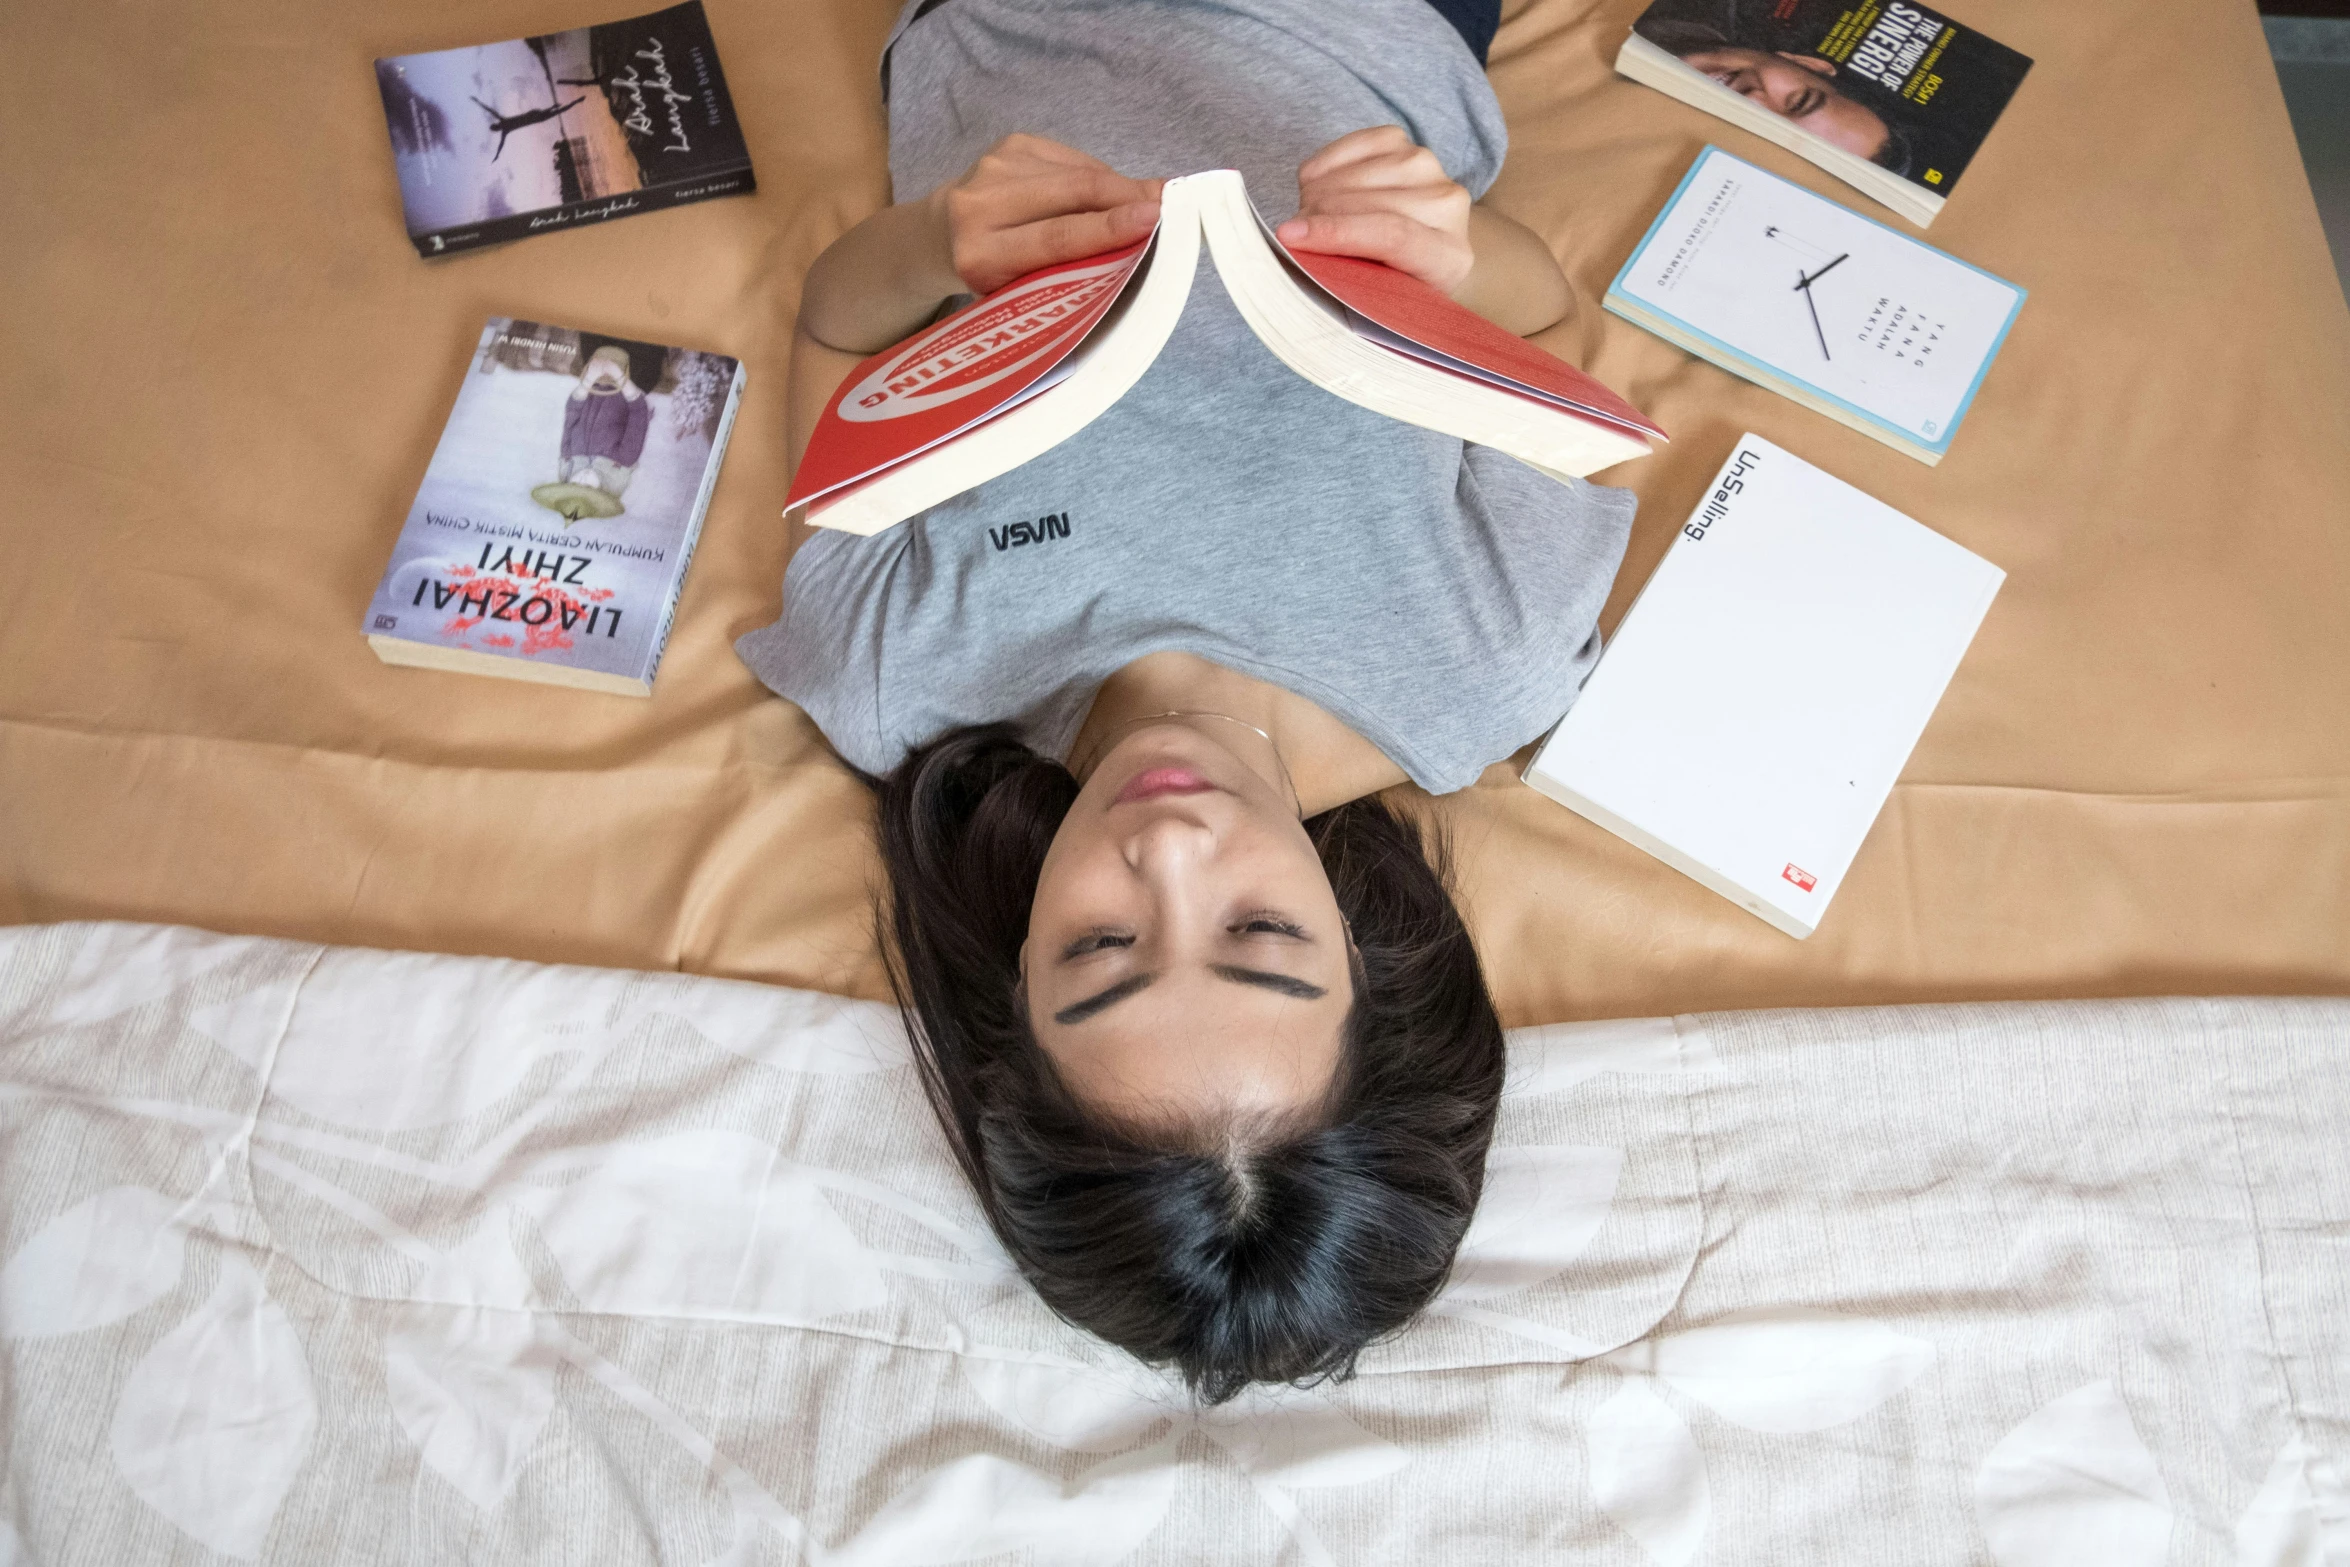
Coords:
pixel 1170 845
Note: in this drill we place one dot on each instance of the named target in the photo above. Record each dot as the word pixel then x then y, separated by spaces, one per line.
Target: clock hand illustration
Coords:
pixel 1779 233
pixel 1803 283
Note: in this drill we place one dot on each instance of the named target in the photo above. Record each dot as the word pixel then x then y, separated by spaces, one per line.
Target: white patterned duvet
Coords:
pixel 316 1255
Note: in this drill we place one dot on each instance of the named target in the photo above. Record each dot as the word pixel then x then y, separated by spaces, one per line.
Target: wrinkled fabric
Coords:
pixel 320 1254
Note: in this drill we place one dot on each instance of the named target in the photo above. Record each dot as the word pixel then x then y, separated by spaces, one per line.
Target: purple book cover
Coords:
pixel 502 140
pixel 551 534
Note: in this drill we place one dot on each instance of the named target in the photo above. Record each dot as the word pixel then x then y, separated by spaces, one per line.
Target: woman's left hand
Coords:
pixel 1373 193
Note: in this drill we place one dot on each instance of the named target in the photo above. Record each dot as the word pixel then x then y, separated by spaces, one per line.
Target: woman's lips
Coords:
pixel 1152 782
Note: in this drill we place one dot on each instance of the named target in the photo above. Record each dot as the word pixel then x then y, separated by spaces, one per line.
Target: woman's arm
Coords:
pixel 1027 203
pixel 1372 193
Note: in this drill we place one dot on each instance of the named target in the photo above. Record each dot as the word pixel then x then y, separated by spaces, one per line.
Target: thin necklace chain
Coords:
pixel 1280 761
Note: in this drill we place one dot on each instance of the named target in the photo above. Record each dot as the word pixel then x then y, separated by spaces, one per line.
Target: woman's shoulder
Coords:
pixel 827 641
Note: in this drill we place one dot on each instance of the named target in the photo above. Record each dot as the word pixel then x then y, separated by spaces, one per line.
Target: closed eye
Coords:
pixel 1097 940
pixel 1268 925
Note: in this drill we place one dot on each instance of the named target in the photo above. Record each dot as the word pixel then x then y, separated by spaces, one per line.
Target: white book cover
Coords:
pixel 1789 289
pixel 1748 720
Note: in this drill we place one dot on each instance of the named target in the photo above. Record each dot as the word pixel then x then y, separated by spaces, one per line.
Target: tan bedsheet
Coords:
pixel 226 369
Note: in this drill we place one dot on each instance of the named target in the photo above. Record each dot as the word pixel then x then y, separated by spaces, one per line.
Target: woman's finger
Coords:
pixel 1372 174
pixel 1369 142
pixel 1443 206
pixel 1436 258
pixel 1049 194
pixel 1009 253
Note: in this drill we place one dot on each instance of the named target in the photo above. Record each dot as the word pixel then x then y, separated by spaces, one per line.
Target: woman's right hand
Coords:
pixel 1031 202
pixel 1026 203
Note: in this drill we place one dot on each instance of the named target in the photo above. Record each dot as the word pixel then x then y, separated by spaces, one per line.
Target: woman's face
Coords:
pixel 1185 955
pixel 1799 88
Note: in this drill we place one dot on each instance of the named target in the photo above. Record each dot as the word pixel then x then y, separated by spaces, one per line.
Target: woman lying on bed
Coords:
pixel 1201 1021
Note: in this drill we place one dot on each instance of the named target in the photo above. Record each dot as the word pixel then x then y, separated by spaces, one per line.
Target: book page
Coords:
pixel 1406 316
pixel 1893 330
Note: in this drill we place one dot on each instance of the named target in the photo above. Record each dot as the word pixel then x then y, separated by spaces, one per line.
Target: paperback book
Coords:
pixel 502 140
pixel 1844 315
pixel 1028 366
pixel 1763 693
pixel 551 534
pixel 1893 98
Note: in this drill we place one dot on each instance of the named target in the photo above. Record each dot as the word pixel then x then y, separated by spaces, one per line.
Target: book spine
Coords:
pixel 579 214
pixel 693 522
pixel 1651 67
pixel 1688 865
pixel 1770 379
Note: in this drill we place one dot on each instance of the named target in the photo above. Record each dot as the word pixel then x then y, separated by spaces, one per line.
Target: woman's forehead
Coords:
pixel 1194 1042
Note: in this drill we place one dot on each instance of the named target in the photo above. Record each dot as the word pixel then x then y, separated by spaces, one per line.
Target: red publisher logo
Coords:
pixel 1801 877
pixel 980 346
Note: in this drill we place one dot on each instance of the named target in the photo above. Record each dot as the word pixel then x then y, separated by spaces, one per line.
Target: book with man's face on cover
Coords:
pixel 497 141
pixel 551 534
pixel 1893 97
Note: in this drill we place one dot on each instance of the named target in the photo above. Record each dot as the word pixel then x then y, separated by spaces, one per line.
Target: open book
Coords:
pixel 1025 368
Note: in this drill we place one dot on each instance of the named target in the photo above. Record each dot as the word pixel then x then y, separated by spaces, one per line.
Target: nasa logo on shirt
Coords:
pixel 1045 529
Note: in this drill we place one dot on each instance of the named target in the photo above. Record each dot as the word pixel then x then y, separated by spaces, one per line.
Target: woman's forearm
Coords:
pixel 880 280
pixel 1516 282
pixel 815 375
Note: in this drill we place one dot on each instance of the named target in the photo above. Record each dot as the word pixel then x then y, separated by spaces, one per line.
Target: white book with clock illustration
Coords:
pixel 1796 293
pixel 1751 714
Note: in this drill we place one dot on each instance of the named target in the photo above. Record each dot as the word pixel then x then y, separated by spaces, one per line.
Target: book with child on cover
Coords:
pixel 1893 97
pixel 1008 377
pixel 551 534
pixel 501 140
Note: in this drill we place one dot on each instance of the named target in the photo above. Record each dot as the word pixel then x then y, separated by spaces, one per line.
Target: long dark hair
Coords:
pixel 1235 1254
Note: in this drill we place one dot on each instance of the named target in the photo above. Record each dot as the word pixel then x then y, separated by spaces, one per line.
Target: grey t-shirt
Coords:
pixel 1440 599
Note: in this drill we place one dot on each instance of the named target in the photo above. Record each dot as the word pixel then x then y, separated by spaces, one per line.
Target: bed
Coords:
pixel 228 370
pixel 317 1254
pixel 464 1202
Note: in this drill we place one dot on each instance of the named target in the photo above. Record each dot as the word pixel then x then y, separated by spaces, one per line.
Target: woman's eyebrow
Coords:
pixel 1102 1001
pixel 1281 983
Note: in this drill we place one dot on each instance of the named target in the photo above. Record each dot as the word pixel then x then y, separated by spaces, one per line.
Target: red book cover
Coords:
pixel 1419 314
pixel 945 379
